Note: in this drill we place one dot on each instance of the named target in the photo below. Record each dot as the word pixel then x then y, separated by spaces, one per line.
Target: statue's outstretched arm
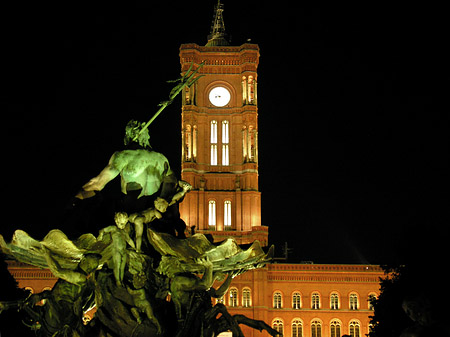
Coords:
pixel 65 274
pixel 223 288
pixel 99 182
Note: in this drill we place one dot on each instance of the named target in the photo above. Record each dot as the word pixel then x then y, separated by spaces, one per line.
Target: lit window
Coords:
pixel 213 142
pixel 212 215
pixel 353 302
pixel 213 132
pixel 277 297
pixel 246 298
pixel 225 143
pixel 335 328
pixel 297 328
pixel 354 329
pixel 372 298
pixel 315 301
pixel 227 215
pixel 233 297
pixel 316 328
pixel 296 300
pixel 334 301
pixel 278 325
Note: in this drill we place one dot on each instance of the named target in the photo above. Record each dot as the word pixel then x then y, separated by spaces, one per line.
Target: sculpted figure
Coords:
pixel 139 168
pixel 115 255
pixel 64 305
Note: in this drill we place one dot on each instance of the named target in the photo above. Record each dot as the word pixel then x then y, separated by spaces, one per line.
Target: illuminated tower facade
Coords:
pixel 220 138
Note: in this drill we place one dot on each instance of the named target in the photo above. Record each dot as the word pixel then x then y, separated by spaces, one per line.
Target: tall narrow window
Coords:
pixel 278 325
pixel 297 328
pixel 334 301
pixel 354 329
pixel 225 143
pixel 371 301
pixel 227 215
pixel 246 298
pixel 277 297
pixel 296 300
pixel 233 297
pixel 316 329
pixel 315 301
pixel 194 143
pixel 335 328
pixel 188 143
pixel 213 142
pixel 353 302
pixel 212 215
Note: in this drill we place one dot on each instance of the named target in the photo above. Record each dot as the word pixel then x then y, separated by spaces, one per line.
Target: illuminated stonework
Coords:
pixel 220 143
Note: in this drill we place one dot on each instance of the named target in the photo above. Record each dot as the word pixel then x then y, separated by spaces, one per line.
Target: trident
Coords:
pixel 185 80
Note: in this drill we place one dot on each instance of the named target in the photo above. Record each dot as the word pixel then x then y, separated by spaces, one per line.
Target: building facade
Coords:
pixel 219 142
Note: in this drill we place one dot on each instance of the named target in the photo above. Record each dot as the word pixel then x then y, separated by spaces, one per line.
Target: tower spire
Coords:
pixel 217 36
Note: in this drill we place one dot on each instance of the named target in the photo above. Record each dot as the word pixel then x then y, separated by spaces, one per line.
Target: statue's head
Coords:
pixel 89 263
pixel 133 133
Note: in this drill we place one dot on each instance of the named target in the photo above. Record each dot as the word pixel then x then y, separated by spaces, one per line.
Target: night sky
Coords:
pixel 353 117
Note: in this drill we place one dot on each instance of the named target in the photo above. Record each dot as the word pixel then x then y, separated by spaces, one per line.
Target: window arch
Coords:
pixel 213 159
pixel 334 301
pixel 335 328
pixel 354 328
pixel 315 300
pixel 31 290
pixel 246 297
pixel 227 214
pixel 297 327
pixel 233 297
pixel 277 324
pixel 212 214
pixel 353 301
pixel 370 301
pixel 316 328
pixel 277 300
pixel 225 143
pixel 296 300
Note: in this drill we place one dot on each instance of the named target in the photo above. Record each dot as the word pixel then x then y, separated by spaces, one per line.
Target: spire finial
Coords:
pixel 217 36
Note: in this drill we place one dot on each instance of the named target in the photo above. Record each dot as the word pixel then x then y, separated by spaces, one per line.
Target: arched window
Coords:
pixel 277 324
pixel 296 300
pixel 227 215
pixel 354 329
pixel 371 300
pixel 297 328
pixel 335 328
pixel 187 143
pixel 316 328
pixel 315 301
pixel 31 290
pixel 353 301
pixel 277 300
pixel 246 298
pixel 233 299
pixel 225 143
pixel 213 142
pixel 212 215
pixel 334 301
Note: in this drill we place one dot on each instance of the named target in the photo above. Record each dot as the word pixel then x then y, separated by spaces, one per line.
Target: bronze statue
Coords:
pixel 143 275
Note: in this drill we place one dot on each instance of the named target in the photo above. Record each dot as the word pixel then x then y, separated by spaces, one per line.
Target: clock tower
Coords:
pixel 220 138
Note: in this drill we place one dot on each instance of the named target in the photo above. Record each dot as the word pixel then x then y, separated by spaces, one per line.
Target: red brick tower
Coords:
pixel 220 138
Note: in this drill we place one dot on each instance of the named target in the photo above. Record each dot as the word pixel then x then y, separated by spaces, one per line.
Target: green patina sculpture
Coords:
pixel 128 270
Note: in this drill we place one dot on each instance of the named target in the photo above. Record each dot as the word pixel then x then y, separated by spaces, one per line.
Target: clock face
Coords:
pixel 219 96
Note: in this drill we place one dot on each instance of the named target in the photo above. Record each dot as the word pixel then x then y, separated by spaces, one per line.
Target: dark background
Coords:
pixel 353 117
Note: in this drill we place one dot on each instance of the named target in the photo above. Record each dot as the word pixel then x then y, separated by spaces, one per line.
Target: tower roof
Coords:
pixel 217 35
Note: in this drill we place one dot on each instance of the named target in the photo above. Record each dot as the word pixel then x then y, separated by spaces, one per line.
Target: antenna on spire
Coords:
pixel 218 36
